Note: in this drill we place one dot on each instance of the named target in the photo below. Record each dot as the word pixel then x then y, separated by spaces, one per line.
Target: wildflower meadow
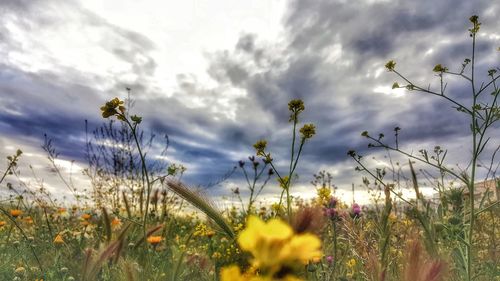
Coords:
pixel 139 220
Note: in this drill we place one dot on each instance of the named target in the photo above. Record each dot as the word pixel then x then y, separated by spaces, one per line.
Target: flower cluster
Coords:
pixel 356 210
pixel 475 24
pixel 113 107
pixel 390 65
pixel 324 195
pixel 330 209
pixel 203 230
pixel 308 131
pixel 440 68
pixel 296 107
pixel 260 146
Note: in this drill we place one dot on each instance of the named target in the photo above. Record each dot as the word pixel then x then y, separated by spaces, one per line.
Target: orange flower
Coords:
pixel 2 223
pixel 85 223
pixel 16 213
pixel 58 240
pixel 154 240
pixel 316 259
pixel 28 220
pixel 210 233
pixel 116 223
pixel 86 216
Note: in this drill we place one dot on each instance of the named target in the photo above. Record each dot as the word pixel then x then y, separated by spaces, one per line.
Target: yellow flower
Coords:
pixel 16 213
pixel 112 107
pixel 439 68
pixel 233 273
pixel 260 146
pixel 62 212
pixel 390 65
pixel 407 222
pixel 154 240
pixel 202 230
pixel 274 247
pixel 307 131
pixel 274 244
pixel 199 229
pixel 392 217
pixel 58 240
pixel 20 270
pixel 238 227
pixel 276 207
pixel 324 194
pixel 283 181
pixel 296 107
pixel 351 263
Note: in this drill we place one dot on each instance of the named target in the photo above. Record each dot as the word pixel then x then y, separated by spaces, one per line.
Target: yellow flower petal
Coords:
pixel 246 239
pixel 276 229
pixel 231 273
pixel 303 248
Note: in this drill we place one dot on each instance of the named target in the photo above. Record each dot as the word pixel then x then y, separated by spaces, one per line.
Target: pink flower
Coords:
pixel 329 259
pixel 356 210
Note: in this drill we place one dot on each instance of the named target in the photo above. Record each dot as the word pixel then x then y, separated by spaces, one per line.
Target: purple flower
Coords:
pixel 329 259
pixel 356 210
pixel 331 213
pixel 333 202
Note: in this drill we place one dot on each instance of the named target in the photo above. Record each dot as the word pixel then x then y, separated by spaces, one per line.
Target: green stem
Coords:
pixel 335 252
pixel 144 172
pixel 473 168
pixel 6 172
pixel 290 170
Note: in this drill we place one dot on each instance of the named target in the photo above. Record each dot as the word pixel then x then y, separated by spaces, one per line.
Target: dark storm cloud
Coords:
pixel 339 98
pixel 38 104
pixel 47 103
pixel 369 26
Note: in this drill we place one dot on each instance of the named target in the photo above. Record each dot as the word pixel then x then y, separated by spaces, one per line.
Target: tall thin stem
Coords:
pixel 473 168
pixel 290 171
pixel 144 171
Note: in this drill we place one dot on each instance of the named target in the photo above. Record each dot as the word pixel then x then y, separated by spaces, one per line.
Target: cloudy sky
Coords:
pixel 216 76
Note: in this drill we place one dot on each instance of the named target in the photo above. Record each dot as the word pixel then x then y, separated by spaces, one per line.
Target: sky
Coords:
pixel 216 76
